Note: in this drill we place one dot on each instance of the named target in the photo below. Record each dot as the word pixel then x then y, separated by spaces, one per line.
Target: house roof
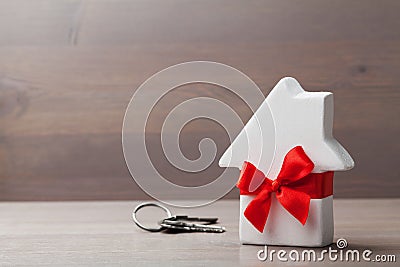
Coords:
pixel 288 117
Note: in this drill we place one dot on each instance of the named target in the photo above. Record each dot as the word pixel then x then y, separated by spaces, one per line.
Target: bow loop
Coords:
pixel 295 166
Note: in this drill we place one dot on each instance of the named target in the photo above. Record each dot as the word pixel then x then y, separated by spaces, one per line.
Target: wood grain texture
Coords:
pixel 68 69
pixel 103 234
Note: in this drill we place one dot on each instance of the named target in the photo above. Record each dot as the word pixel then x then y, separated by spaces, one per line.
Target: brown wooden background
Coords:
pixel 68 69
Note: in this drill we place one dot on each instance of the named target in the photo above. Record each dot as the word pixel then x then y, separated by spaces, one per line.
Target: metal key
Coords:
pixel 179 223
pixel 184 223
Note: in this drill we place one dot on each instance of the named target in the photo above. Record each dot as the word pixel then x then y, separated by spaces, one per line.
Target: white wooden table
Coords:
pixel 102 233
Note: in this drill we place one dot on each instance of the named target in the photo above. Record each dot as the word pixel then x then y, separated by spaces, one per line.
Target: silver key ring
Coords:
pixel 149 204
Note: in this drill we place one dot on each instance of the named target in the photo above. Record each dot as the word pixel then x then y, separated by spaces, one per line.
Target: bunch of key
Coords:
pixel 183 223
pixel 179 223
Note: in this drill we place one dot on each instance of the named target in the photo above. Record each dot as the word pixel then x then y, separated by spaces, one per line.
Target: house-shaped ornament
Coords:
pixel 289 118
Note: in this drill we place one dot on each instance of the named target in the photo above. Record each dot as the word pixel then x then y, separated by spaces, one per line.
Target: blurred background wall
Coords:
pixel 68 69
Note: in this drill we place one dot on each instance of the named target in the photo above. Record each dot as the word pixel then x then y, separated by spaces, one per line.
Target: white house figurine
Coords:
pixel 295 124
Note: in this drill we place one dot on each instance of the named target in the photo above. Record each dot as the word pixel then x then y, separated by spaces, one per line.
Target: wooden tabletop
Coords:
pixel 102 233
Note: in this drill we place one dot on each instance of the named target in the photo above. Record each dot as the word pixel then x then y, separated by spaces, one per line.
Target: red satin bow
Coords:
pixel 294 187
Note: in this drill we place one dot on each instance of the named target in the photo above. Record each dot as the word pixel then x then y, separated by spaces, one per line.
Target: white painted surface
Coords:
pixel 283 229
pixel 298 118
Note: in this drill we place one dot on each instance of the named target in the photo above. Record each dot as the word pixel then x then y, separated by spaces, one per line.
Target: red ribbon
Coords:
pixel 294 187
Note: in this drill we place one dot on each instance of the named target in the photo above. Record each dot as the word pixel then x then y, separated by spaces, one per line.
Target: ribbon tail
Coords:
pixel 295 202
pixel 258 209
